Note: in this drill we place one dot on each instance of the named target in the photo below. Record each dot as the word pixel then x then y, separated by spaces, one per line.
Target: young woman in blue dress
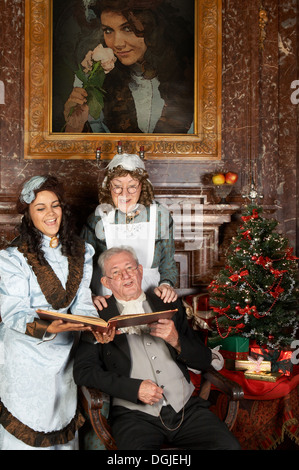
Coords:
pixel 47 266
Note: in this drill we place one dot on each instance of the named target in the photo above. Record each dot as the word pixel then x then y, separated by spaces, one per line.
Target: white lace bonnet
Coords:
pixel 127 161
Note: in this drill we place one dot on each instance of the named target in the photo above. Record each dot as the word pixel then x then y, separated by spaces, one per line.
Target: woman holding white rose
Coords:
pixel 76 109
pixel 151 87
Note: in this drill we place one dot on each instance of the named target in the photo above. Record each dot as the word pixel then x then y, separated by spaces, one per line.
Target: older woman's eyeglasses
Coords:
pixel 130 189
pixel 118 274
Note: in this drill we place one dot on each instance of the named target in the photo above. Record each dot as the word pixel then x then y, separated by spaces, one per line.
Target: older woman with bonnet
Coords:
pixel 129 215
pixel 48 267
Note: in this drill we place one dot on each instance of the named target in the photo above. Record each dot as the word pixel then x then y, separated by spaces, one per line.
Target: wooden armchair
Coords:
pixel 93 401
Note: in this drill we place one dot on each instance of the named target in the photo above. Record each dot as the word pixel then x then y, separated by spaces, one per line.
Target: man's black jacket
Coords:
pixel 107 366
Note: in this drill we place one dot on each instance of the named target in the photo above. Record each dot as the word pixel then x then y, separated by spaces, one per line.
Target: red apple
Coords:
pixel 218 178
pixel 231 177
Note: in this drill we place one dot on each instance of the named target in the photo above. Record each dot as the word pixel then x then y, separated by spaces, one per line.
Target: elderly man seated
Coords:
pixel 145 369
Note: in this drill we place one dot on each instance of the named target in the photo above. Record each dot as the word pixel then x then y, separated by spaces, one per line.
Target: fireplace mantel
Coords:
pixel 197 236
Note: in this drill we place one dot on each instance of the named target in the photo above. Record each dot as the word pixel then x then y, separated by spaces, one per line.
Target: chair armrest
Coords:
pixel 95 398
pixel 231 389
pixel 225 385
pixel 93 401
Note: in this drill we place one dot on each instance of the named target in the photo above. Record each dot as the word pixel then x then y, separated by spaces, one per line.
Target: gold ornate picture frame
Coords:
pixel 41 143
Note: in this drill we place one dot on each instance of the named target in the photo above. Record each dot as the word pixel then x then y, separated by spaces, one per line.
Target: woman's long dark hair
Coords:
pixel 170 44
pixel 169 56
pixel 32 237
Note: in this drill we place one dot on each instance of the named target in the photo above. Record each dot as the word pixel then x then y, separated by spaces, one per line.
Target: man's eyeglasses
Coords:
pixel 130 189
pixel 117 275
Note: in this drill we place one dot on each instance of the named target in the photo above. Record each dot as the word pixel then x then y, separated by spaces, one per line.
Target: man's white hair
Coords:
pixel 106 255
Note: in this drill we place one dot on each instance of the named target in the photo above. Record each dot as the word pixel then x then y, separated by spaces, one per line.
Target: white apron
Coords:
pixel 141 237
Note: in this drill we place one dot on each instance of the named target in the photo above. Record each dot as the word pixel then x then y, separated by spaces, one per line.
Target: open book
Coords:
pixel 97 323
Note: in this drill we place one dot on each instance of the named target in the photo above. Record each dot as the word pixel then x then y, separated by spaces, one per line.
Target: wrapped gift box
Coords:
pixel 232 348
pixel 264 366
pixel 266 376
pixel 280 360
pixel 199 313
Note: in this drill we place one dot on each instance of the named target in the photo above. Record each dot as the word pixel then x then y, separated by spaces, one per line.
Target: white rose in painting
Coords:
pixel 100 53
pixel 106 56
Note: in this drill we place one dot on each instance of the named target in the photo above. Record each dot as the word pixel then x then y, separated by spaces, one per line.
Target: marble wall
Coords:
pixel 259 120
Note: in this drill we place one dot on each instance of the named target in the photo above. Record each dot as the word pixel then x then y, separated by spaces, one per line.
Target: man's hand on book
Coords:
pixel 105 337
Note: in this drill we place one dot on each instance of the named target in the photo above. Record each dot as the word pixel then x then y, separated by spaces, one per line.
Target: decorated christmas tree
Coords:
pixel 256 294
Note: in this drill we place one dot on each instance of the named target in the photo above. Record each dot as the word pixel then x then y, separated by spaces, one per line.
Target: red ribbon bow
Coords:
pixel 277 291
pixel 277 273
pixel 248 309
pixel 221 310
pixel 290 255
pixel 246 234
pixel 236 277
pixel 263 261
pixel 249 217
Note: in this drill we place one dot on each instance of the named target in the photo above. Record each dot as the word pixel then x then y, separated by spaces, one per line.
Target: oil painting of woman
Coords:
pixel 151 86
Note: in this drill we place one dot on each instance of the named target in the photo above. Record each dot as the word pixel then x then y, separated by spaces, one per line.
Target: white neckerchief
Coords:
pixel 132 307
